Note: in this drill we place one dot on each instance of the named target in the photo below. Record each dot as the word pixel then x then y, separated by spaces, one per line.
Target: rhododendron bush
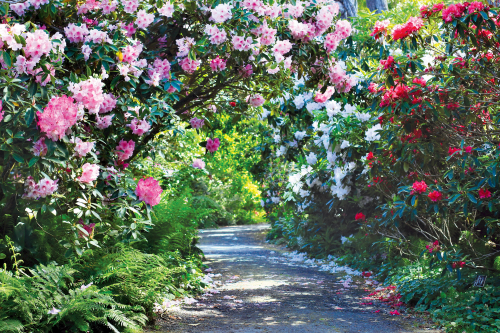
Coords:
pixel 86 87
pixel 412 151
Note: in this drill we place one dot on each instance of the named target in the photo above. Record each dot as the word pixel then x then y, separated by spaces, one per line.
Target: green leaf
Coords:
pixel 18 158
pixel 32 88
pixel 472 198
pixel 33 161
pixel 29 116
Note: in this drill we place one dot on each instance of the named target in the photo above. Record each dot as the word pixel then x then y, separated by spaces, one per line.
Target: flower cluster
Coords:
pixel 149 191
pixel 42 189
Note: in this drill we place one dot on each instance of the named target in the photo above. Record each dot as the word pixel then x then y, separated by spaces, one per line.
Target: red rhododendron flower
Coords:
pixel 451 150
pixel 453 12
pixel 360 216
pixel 387 63
pixel 366 274
pixel 419 187
pixel 435 196
pixel 370 156
pixel 484 193
pixel 232 103
pixel 468 149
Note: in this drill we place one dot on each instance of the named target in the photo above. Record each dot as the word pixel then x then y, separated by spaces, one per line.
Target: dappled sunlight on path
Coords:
pixel 260 290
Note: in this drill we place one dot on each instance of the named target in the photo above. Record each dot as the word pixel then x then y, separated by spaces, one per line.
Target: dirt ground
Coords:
pixel 263 291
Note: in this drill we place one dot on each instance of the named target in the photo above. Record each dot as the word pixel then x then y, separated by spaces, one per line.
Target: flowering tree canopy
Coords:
pixel 87 86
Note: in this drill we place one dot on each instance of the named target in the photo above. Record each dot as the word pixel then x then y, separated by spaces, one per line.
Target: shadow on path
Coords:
pixel 261 292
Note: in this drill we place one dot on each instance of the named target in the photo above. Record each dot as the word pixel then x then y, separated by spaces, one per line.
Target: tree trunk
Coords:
pixel 377 5
pixel 348 8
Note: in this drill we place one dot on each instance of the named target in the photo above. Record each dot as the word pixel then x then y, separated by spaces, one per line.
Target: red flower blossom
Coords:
pixel 232 103
pixel 387 63
pixel 484 193
pixel 360 216
pixel 451 150
pixel 453 11
pixel 419 187
pixel 468 149
pixel 366 274
pixel 435 196
pixel 370 156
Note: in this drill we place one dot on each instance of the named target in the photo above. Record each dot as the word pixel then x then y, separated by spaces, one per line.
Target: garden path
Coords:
pixel 263 291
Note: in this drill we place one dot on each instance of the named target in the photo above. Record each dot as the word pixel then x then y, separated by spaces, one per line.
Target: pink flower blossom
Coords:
pixel 42 189
pixel 144 19
pixel 213 145
pixel 38 44
pixel 332 42
pixel 131 52
pixel 189 65
pixel 196 123
pixel 39 147
pixel 167 10
pixel 221 13
pixel 218 64
pixel 130 6
pixel 282 47
pixel 343 29
pixel 240 43
pixel 149 191
pixel 139 127
pixel 125 149
pixel 255 100
pixel 20 8
pixel 90 172
pixel 104 122
pixel 82 148
pixel 75 33
pixel 89 229
pixel 89 93
pixel 198 164
pixel 108 6
pixel 217 36
pixel 322 98
pixel 57 117
pixel 246 71
pixel 1 112
pixel 108 103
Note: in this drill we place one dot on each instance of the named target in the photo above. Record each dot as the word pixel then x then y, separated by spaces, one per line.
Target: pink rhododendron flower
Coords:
pixel 20 8
pixel 299 30
pixel 216 36
pixel 38 44
pixel 90 172
pixel 196 123
pixel 282 47
pixel 89 228
pixel 322 98
pixel 139 127
pixel 89 93
pixel 130 6
pixel 343 29
pixel 82 148
pixel 131 53
pixel 75 33
pixel 325 16
pixel 97 36
pixel 198 164
pixel 1 112
pixel 242 44
pixel 42 189
pixel 189 65
pixel 167 9
pixel 453 11
pixel 125 149
pixel 475 6
pixel 104 122
pixel 246 71
pixel 108 103
pixel 468 149
pixel 332 42
pixel 129 28
pixel 403 30
pixel 293 11
pixel 39 147
pixel 144 19
pixel 149 191
pixel 255 100
pixel 57 117
pixel 213 145
pixel 108 6
pixel 218 64
pixel 221 13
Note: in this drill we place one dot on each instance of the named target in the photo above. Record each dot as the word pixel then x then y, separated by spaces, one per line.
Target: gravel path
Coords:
pixel 264 293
